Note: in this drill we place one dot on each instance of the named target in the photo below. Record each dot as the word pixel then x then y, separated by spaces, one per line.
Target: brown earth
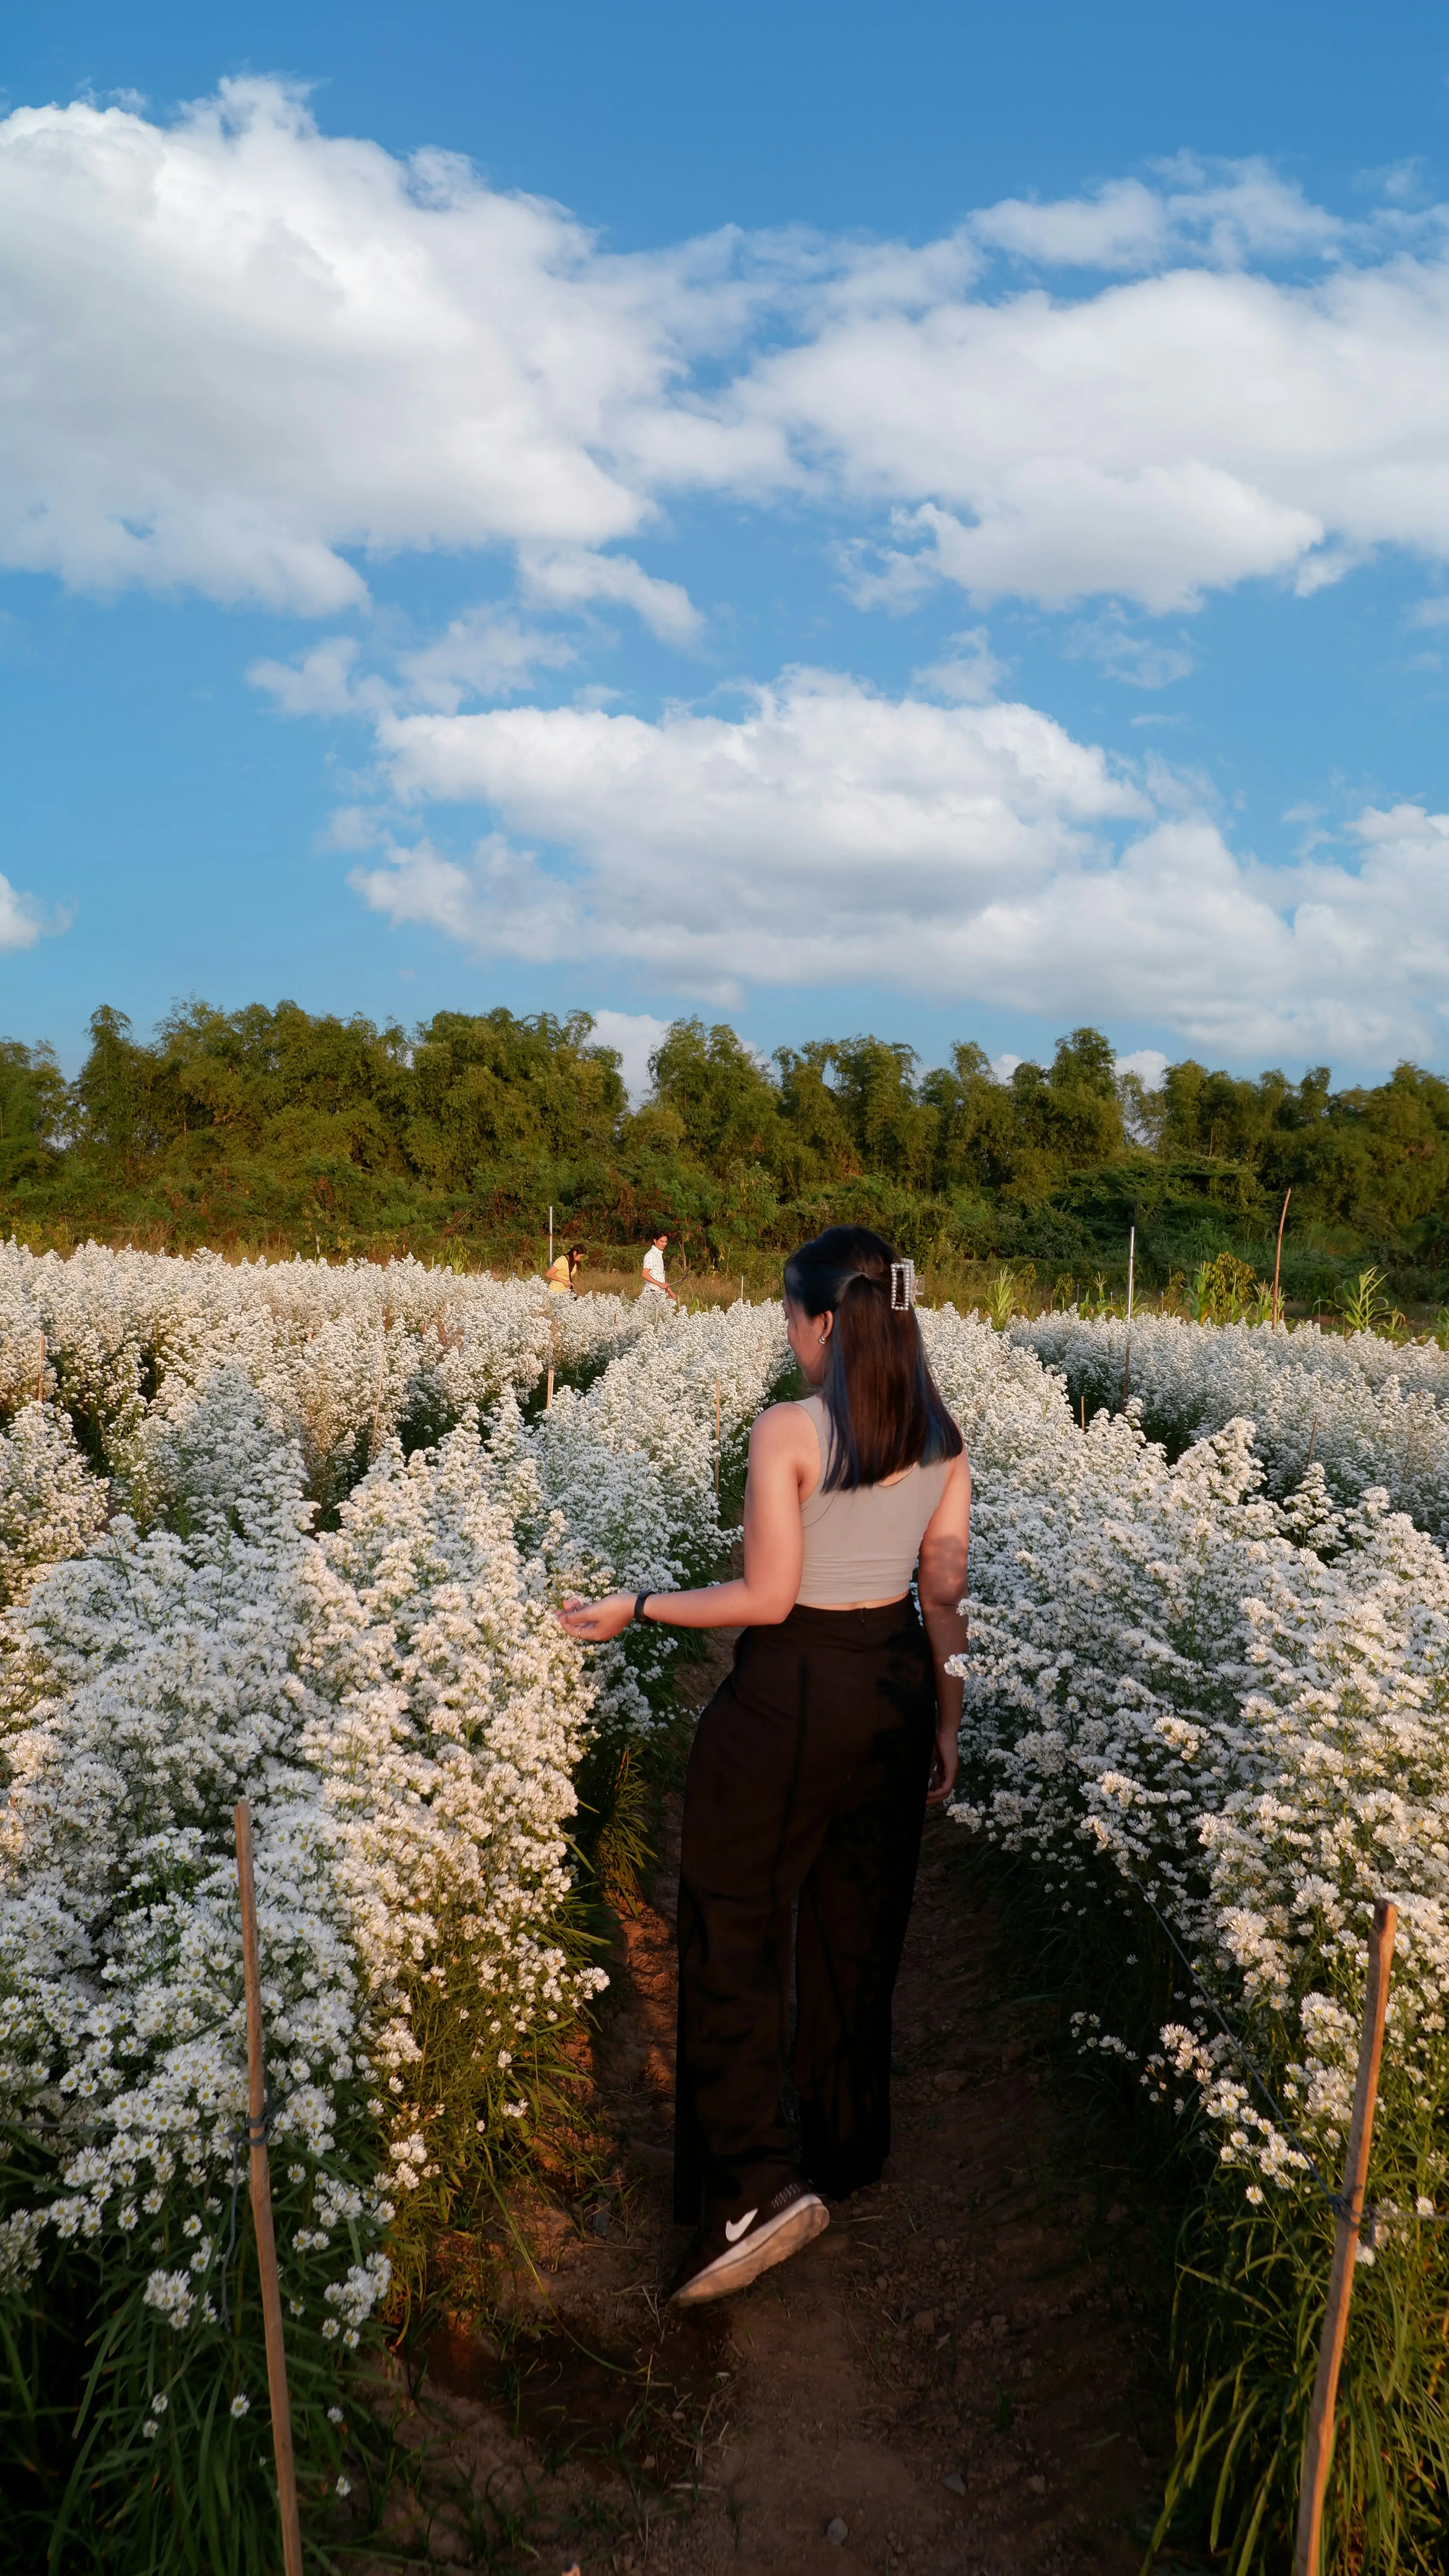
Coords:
pixel 964 2374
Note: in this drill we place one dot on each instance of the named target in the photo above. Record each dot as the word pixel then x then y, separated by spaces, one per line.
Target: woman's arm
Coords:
pixel 782 1467
pixel 941 1584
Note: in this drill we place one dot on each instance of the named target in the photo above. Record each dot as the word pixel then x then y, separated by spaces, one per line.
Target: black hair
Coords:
pixel 885 1408
pixel 577 1251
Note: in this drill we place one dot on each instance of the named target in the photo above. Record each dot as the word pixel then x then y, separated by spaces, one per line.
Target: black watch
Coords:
pixel 639 1620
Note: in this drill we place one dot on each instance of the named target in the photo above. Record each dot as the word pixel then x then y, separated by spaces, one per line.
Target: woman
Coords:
pixel 561 1273
pixel 812 1766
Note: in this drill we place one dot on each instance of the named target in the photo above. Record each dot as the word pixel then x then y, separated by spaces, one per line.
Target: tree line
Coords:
pixel 281 1129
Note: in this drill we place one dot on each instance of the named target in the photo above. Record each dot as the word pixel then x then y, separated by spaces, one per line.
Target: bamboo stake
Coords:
pixel 1318 2448
pixel 742 1287
pixel 40 1373
pixel 716 1439
pixel 1278 1262
pixel 377 1407
pixel 262 2203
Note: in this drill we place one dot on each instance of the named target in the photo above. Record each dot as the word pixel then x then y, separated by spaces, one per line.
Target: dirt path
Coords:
pixel 958 2376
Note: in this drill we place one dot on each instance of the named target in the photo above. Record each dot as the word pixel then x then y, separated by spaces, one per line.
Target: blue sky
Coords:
pixel 934 521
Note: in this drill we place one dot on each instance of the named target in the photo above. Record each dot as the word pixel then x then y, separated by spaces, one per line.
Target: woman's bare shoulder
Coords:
pixel 783 1428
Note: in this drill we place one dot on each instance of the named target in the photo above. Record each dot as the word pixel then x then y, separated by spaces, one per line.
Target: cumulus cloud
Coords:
pixel 485 653
pixel 244 355
pixel 1228 212
pixel 1148 1063
pixel 977 852
pixel 239 351
pixel 634 1037
pixel 969 670
pixel 572 578
pixel 22 918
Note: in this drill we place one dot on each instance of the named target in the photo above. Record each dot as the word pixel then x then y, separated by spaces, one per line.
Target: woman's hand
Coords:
pixel 595 1622
pixel 943 1764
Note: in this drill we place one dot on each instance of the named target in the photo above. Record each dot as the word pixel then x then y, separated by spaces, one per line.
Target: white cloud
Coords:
pixel 1144 661
pixel 969 672
pixel 243 355
pixel 1227 212
pixel 485 653
pixel 634 1035
pixel 22 919
pixel 238 350
pixel 571 579
pixel 1182 431
pixel 829 835
pixel 1148 1063
pixel 319 683
pixel 482 654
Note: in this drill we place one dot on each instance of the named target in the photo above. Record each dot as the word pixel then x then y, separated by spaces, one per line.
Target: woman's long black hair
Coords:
pixel 884 1405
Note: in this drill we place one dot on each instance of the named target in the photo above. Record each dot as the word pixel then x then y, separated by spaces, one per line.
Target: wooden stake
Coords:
pixel 40 1374
pixel 1318 2448
pixel 262 2203
pixel 742 1287
pixel 377 1408
pixel 716 1439
pixel 1278 1262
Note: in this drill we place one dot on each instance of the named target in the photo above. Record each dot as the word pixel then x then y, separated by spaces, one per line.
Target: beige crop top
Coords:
pixel 862 1544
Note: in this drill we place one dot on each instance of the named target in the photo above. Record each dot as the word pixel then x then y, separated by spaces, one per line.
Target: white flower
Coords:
pixel 240 2404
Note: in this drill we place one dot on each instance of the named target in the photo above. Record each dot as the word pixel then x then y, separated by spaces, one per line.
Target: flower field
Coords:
pixel 293 1533
pixel 297 1532
pixel 1212 1694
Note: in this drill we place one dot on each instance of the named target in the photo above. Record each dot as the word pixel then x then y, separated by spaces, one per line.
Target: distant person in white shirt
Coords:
pixel 655 1283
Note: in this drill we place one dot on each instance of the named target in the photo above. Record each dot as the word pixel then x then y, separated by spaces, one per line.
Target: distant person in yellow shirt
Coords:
pixel 655 1283
pixel 560 1273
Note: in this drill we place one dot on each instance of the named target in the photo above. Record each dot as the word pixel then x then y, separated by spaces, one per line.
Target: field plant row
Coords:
pixel 1369 1412
pixel 292 1535
pixel 1193 1704
pixel 341 1356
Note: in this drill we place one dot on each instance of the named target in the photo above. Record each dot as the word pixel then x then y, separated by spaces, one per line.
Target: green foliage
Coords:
pixel 119 2447
pixel 1365 1308
pixel 1224 1291
pixel 274 1127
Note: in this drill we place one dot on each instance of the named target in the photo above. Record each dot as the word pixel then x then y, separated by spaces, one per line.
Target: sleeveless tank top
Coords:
pixel 862 1545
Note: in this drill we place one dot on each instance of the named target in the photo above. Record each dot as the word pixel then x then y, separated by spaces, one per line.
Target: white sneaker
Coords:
pixel 732 2252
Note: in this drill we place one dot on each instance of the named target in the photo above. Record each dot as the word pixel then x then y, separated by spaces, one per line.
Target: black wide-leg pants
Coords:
pixel 807 1780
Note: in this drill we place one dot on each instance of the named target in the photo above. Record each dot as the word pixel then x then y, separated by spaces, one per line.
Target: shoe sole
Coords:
pixel 797 2227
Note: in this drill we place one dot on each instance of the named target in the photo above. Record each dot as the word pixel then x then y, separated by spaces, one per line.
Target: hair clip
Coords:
pixel 903 1287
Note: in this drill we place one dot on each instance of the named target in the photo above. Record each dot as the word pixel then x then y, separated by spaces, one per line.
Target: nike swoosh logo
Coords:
pixel 735 2227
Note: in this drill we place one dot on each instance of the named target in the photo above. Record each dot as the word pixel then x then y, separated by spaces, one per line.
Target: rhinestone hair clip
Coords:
pixel 903 1287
